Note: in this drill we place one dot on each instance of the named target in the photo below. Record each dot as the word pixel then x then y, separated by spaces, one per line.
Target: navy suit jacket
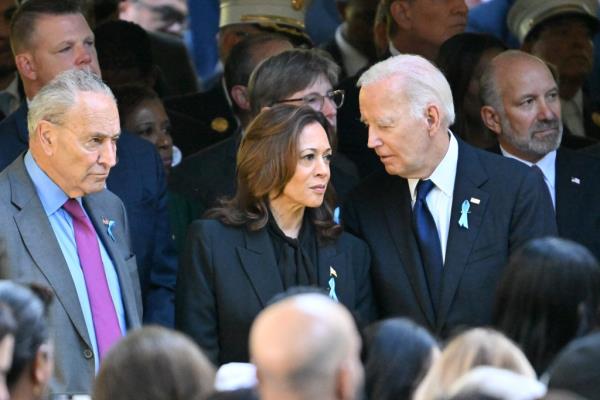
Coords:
pixel 509 205
pixel 139 180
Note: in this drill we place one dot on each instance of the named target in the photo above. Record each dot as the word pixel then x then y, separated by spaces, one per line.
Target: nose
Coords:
pixel 322 168
pixel 108 154
pixel 329 109
pixel 373 139
pixel 460 7
pixel 83 56
pixel 546 110
pixel 164 141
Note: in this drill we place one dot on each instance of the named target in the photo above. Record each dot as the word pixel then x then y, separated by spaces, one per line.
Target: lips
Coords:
pixel 319 188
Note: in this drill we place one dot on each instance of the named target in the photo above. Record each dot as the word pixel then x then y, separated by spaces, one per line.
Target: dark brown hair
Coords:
pixel 266 162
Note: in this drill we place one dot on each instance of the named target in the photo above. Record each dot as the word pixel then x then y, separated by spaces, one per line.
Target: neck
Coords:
pixel 406 44
pixel 23 390
pixel 288 217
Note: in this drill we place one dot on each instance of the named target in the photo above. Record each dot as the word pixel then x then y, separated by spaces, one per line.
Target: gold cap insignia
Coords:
pixel 297 4
pixel 219 124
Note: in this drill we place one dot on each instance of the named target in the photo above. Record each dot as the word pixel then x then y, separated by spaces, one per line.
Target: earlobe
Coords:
pixel 491 119
pixel 400 12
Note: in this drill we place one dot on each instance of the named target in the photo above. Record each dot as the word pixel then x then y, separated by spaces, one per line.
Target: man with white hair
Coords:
pixel 63 229
pixel 443 218
pixel 306 347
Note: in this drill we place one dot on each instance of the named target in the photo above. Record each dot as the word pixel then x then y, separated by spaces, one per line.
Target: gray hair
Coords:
pixel 489 92
pixel 60 94
pixel 423 83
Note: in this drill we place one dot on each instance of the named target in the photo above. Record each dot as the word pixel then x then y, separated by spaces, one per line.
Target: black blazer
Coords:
pixel 229 274
pixel 513 207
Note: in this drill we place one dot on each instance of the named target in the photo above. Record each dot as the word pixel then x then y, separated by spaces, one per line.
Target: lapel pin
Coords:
pixel 576 180
pixel 109 226
pixel 475 200
pixel 464 211
pixel 332 277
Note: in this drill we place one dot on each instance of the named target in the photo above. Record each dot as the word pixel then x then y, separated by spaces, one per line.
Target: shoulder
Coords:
pixel 375 186
pixel 215 229
pixel 351 242
pixel 137 147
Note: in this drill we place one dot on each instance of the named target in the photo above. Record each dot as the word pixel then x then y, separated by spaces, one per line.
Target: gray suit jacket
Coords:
pixel 29 252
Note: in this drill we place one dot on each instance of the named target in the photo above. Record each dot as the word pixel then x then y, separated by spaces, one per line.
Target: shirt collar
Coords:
pixel 444 174
pixel 393 50
pixel 50 194
pixel 546 164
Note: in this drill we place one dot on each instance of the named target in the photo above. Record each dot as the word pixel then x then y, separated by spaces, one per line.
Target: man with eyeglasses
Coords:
pixel 294 76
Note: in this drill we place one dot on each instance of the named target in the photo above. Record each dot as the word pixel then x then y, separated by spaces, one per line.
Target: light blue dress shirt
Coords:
pixel 53 198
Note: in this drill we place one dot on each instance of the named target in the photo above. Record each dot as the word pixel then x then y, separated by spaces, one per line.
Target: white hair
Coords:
pixel 423 83
pixel 60 94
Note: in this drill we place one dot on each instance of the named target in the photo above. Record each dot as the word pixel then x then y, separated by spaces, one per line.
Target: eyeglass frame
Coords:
pixel 329 95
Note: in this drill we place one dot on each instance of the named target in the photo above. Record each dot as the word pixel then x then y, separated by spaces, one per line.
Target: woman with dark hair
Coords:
pixel 462 59
pixel 548 296
pixel 276 232
pixel 397 354
pixel 32 362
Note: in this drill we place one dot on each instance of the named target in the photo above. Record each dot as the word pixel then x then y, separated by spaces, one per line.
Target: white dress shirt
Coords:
pixel 439 200
pixel 548 167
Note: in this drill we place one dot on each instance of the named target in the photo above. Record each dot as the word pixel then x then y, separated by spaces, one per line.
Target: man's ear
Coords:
pixel 401 13
pixel 45 135
pixel 344 383
pixel 239 94
pixel 491 119
pixel 26 66
pixel 434 118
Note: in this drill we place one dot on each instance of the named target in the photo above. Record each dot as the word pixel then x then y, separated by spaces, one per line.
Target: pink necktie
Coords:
pixel 104 316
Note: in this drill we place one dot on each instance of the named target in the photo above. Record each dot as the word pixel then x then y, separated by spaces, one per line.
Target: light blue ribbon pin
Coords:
pixel 336 215
pixel 109 226
pixel 332 276
pixel 463 221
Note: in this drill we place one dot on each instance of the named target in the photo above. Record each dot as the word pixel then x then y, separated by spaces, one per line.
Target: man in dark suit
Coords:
pixel 352 46
pixel 64 230
pixel 444 217
pixel 49 37
pixel 414 27
pixel 522 107
pixel 239 20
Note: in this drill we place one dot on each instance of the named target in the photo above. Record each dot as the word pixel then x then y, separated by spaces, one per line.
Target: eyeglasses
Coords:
pixel 316 101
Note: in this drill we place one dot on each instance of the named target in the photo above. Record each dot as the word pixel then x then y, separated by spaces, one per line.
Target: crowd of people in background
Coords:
pixel 409 209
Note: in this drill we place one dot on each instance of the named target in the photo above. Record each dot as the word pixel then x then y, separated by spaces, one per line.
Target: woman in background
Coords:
pixel 548 296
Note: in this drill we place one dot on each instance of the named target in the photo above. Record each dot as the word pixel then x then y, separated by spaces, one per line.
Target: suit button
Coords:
pixel 87 353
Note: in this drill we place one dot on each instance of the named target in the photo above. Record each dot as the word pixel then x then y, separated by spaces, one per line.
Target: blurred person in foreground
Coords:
pixel 306 347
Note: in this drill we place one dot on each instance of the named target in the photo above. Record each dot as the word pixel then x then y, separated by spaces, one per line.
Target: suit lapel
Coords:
pixel 397 207
pixel 96 211
pixel 41 243
pixel 258 261
pixel 469 178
